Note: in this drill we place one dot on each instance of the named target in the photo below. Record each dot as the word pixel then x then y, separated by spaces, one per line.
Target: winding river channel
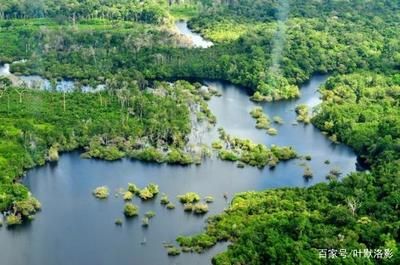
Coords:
pixel 75 228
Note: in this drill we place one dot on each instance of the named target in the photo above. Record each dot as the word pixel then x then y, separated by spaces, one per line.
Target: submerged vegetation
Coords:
pixel 101 192
pixel 262 119
pixel 118 222
pixel 170 206
pixel 172 250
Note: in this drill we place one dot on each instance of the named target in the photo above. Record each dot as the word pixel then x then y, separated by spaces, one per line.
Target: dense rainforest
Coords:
pixel 267 56
pixel 268 46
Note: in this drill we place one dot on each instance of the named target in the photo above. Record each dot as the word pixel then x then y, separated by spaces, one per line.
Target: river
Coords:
pixel 75 228
pixel 38 82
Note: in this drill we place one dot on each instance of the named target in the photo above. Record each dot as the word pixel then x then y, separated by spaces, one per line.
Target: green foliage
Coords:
pixel 189 197
pixel 131 210
pixel 253 154
pixel 101 192
pixel 164 200
pixel 188 207
pixel 302 114
pixel 145 221
pixel 66 11
pixel 149 192
pixel 27 207
pixel 13 220
pixel 272 131
pixel 118 222
pixel 362 111
pixel 176 156
pixel 263 121
pixel 173 251
pixel 128 196
pixel 170 206
pixel 133 188
pixel 150 214
pixel 278 120
pixel 217 144
pixel 308 174
pixel 200 208
pixel 209 199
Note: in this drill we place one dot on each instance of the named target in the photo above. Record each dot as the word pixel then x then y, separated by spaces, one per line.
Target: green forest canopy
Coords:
pixel 269 46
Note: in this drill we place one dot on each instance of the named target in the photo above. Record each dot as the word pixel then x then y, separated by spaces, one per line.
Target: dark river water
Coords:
pixel 75 228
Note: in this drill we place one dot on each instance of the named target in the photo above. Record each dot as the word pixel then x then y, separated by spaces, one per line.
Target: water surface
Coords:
pixel 38 82
pixel 197 40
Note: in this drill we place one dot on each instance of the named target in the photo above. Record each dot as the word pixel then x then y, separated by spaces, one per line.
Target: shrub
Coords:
pixel 13 220
pixel 145 221
pixel 335 172
pixel 128 196
pixel 53 154
pixel 176 156
pixel 217 144
pixel 262 120
pixel 228 155
pixel 164 200
pixel 302 114
pixel 284 152
pixel 272 131
pixel 133 188
pixel 334 139
pixel 209 199
pixel 131 210
pixel 118 222
pixel 240 165
pixel 331 177
pixel 173 251
pixel 149 192
pixel 307 173
pixel 27 207
pixel 150 214
pixel 188 207
pixel 170 206
pixel 278 120
pixel 145 194
pixel 101 192
pixel 148 154
pixel 189 197
pixel 153 188
pixel 200 208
